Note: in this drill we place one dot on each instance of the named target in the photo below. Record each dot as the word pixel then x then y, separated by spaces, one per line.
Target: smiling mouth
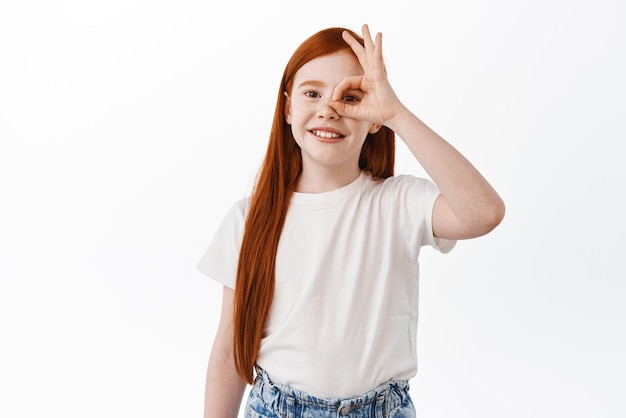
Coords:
pixel 326 134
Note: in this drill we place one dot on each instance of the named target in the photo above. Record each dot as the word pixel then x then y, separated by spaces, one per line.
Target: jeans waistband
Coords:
pixel 381 400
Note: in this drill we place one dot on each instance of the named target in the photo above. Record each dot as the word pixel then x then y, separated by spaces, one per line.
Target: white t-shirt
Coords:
pixel 344 314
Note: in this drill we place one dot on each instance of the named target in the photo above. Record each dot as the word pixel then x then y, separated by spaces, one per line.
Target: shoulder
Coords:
pixel 236 215
pixel 399 185
pixel 241 206
pixel 405 195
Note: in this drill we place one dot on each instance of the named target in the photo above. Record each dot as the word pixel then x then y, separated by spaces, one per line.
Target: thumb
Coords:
pixel 343 108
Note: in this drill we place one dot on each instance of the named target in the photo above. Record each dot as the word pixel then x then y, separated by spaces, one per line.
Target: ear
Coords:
pixel 375 128
pixel 287 108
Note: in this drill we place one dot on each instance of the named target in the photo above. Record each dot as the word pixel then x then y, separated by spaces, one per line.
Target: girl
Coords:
pixel 320 264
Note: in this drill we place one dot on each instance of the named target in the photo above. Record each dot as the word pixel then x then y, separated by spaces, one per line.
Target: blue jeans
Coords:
pixel 389 400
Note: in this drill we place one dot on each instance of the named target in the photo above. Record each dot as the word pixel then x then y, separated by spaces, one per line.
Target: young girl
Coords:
pixel 320 264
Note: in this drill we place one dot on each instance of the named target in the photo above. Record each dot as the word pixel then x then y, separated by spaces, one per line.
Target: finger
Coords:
pixel 348 83
pixel 367 38
pixel 356 46
pixel 373 48
pixel 378 49
pixel 345 109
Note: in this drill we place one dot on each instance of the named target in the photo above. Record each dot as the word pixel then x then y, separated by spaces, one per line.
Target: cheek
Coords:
pixel 303 107
pixel 301 113
pixel 363 129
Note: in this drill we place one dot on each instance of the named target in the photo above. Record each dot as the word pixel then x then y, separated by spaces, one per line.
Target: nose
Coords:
pixel 325 111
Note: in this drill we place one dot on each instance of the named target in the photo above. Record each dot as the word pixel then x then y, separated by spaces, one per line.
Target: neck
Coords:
pixel 321 179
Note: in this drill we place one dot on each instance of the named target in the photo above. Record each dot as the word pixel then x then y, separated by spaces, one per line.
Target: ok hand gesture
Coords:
pixel 380 103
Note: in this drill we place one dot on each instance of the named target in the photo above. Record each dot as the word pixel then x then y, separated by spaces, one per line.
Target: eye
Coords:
pixel 312 94
pixel 351 99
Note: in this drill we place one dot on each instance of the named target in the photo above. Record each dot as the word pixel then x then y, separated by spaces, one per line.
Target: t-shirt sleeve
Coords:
pixel 220 259
pixel 415 199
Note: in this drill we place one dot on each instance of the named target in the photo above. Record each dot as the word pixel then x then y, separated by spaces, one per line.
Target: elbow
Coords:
pixel 478 218
pixel 493 215
pixel 484 219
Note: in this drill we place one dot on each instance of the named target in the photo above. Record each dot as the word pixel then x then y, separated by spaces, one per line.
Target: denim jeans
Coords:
pixel 389 400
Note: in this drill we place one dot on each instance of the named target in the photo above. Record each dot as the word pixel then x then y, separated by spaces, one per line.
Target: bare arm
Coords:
pixel 224 386
pixel 468 206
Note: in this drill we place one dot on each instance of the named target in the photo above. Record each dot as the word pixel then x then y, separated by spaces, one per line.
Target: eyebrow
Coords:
pixel 314 83
pixel 317 83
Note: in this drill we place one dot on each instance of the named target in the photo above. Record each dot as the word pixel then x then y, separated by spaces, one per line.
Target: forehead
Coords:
pixel 328 69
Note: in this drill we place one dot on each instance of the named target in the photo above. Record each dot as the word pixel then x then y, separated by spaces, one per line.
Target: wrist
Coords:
pixel 400 118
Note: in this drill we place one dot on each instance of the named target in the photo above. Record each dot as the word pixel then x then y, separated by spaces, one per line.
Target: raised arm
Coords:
pixel 468 206
pixel 224 387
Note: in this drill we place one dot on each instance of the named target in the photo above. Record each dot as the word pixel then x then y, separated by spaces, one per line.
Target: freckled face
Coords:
pixel 325 137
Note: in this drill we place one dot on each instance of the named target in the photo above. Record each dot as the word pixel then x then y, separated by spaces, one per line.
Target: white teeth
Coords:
pixel 324 134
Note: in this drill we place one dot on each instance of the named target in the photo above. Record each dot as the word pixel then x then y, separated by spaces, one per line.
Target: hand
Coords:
pixel 380 103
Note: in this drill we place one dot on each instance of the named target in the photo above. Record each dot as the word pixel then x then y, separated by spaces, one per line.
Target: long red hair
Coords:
pixel 274 186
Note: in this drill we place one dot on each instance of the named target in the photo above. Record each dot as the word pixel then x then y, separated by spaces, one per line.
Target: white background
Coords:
pixel 127 129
